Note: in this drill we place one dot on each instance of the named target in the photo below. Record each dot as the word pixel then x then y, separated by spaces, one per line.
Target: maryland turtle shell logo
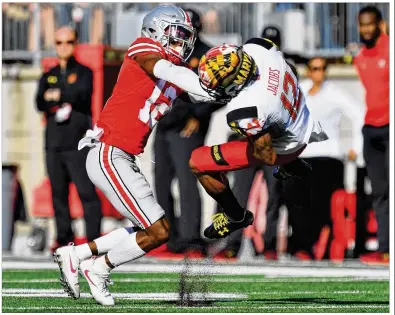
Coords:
pixel 224 66
pixel 218 64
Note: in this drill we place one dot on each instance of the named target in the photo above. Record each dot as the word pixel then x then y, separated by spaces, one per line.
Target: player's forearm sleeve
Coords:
pixel 182 77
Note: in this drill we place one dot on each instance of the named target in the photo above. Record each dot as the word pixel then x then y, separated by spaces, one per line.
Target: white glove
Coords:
pixel 91 138
pixel 63 113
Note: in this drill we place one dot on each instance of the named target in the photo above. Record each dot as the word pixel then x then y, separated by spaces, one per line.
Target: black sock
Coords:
pixel 229 204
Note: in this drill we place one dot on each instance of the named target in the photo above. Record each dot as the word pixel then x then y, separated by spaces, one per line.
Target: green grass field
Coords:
pixel 40 291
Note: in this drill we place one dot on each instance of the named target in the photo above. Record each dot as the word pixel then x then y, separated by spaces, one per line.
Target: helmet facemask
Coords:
pixel 178 40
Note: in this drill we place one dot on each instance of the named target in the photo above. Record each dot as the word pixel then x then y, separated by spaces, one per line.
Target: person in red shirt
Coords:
pixel 372 64
pixel 152 76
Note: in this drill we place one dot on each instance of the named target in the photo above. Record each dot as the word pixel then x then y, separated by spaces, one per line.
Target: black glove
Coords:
pixel 297 168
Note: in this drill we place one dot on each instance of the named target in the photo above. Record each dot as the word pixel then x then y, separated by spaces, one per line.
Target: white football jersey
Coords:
pixel 274 102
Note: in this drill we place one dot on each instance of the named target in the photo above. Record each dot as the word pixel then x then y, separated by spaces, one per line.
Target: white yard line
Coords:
pixel 126 296
pixel 210 279
pixel 131 307
pixel 225 269
pixel 166 296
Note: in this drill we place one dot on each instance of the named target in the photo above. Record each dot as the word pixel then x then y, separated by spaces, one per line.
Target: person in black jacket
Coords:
pixel 65 96
pixel 178 134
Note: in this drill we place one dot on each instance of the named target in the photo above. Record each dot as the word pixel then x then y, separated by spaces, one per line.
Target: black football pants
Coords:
pixel 376 155
pixel 64 167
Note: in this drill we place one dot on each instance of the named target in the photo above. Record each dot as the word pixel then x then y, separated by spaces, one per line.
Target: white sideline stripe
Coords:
pixel 224 269
pixel 176 280
pixel 126 296
pixel 98 307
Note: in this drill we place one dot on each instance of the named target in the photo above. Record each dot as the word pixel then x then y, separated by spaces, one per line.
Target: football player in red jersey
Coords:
pixel 152 76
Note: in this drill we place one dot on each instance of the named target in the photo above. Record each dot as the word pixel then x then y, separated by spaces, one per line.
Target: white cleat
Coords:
pixel 98 281
pixel 68 264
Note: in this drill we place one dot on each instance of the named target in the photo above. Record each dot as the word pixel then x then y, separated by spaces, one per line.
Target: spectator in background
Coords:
pixel 65 95
pixel 211 22
pixel 180 132
pixel 372 63
pixel 308 200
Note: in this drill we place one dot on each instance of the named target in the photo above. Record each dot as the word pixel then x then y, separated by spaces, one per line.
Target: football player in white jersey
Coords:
pixel 265 105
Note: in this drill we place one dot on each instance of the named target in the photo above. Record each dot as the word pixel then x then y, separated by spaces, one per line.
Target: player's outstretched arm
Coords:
pixel 184 78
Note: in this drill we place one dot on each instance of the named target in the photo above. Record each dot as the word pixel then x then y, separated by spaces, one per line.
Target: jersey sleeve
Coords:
pixel 245 121
pixel 145 46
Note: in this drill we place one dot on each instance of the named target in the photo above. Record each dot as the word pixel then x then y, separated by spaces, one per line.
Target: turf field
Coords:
pixel 40 291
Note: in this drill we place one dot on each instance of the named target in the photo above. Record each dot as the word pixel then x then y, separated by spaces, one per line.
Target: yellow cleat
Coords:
pixel 223 226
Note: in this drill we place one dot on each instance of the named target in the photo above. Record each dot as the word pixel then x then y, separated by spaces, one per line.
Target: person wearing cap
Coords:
pixel 180 132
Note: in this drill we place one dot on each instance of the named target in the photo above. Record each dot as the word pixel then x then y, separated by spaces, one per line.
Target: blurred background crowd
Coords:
pixel 342 216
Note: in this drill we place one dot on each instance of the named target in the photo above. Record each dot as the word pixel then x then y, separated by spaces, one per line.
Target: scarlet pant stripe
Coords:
pixel 118 187
pixel 125 187
pixel 109 181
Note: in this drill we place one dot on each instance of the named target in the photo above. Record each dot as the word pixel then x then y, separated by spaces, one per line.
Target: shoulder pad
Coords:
pixel 264 42
pixel 145 46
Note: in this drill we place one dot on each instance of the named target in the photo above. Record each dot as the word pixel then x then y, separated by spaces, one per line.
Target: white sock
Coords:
pixel 125 251
pixel 108 241
pixel 103 243
pixel 83 251
pixel 100 265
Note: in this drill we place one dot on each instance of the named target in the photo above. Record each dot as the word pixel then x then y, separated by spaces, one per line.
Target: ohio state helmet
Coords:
pixel 171 26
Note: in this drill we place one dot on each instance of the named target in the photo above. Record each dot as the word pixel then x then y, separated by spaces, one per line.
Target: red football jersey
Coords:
pixel 373 68
pixel 137 102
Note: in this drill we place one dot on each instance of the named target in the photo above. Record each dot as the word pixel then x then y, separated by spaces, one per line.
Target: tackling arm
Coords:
pixel 184 78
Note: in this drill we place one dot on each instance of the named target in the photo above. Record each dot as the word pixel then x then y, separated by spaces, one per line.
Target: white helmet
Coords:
pixel 169 24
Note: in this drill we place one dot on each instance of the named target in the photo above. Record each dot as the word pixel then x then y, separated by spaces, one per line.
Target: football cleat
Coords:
pixel 98 281
pixel 222 225
pixel 68 264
